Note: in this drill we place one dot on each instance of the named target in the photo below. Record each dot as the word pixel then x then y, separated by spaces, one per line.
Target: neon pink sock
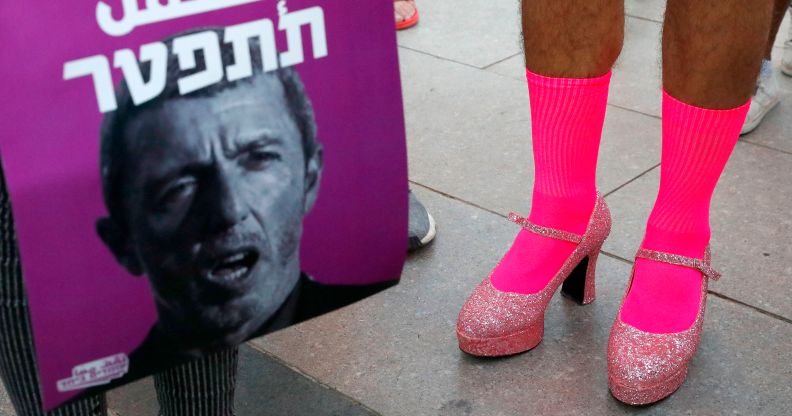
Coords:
pixel 566 124
pixel 697 143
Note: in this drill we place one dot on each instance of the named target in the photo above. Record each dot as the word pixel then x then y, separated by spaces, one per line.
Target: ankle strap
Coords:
pixel 545 231
pixel 698 264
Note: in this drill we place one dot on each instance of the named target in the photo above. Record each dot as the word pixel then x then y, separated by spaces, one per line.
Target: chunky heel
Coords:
pixel 580 284
pixel 496 323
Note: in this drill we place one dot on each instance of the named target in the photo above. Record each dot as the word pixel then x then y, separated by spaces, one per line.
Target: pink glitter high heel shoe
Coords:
pixel 496 323
pixel 644 367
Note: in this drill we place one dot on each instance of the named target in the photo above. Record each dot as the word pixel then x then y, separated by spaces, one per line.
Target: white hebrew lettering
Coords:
pixel 95 373
pixel 239 37
pixel 208 44
pixel 185 48
pixel 155 12
pixel 139 90
pixel 282 8
pixel 292 23
pixel 98 68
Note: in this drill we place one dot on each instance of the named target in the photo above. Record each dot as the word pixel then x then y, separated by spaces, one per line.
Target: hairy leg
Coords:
pixel 573 39
pixel 712 50
pixel 569 50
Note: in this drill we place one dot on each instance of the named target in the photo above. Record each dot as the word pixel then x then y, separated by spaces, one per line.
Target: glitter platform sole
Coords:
pixel 645 367
pixel 647 395
pixel 504 345
pixel 579 286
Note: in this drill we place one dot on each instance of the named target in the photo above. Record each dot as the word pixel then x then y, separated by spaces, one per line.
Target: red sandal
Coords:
pixel 409 21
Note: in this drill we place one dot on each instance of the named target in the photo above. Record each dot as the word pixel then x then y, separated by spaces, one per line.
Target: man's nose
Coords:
pixel 228 201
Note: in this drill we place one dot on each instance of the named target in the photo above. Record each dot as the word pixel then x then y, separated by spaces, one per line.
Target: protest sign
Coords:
pixel 179 171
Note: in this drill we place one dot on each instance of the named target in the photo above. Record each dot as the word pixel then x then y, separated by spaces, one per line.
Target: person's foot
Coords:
pixel 786 59
pixel 406 13
pixel 765 98
pixel 645 366
pixel 493 322
pixel 662 297
pixel 422 228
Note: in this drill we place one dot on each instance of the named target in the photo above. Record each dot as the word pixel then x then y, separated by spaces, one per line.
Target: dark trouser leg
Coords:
pixel 204 387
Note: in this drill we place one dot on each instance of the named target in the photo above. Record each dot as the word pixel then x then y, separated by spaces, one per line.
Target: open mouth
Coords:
pixel 233 267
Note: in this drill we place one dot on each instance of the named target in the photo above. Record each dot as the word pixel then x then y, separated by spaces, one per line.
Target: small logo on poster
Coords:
pixel 95 373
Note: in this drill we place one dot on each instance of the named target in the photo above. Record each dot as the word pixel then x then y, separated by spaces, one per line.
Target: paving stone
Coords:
pixel 467 31
pixel 469 135
pixel 636 82
pixel 513 68
pixel 265 387
pixel 138 398
pixel 751 226
pixel 397 353
pixel 6 408
pixel 783 31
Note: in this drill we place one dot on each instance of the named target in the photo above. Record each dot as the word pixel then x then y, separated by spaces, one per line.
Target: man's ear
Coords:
pixel 313 175
pixel 116 240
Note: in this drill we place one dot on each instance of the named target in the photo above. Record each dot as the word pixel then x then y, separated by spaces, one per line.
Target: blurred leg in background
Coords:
pixel 786 60
pixel 767 94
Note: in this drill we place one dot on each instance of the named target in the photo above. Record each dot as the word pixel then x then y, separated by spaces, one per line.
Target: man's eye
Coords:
pixel 258 158
pixel 176 193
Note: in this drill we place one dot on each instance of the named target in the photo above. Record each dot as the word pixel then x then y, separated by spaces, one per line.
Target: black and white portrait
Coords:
pixel 205 196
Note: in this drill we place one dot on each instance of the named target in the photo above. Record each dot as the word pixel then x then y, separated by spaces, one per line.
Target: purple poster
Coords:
pixel 188 174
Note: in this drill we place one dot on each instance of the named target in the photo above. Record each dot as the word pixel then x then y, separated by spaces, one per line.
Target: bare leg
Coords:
pixel 569 50
pixel 573 39
pixel 570 47
pixel 712 50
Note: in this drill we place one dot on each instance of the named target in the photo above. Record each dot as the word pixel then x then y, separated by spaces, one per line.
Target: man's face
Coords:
pixel 215 193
